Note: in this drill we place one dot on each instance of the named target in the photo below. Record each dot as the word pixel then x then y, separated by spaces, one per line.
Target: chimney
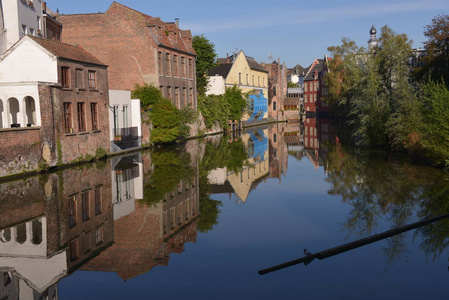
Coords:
pixel 227 57
pixel 177 22
pixel 44 6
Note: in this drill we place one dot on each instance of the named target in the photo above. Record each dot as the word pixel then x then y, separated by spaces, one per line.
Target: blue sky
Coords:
pixel 295 31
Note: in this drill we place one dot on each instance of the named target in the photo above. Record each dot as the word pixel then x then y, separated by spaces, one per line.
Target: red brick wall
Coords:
pixel 81 143
pixel 118 38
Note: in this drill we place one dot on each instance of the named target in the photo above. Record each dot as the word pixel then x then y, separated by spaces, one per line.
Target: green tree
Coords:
pixel 292 85
pixel 373 89
pixel 236 102
pixel 148 95
pixel 436 62
pixel 434 133
pixel 205 60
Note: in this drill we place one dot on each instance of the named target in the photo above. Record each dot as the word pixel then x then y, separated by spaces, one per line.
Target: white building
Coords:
pixel 17 18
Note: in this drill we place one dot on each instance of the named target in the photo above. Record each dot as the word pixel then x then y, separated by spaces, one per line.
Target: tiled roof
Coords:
pixel 221 69
pixel 67 51
pixel 253 64
pixel 314 68
pixel 296 70
pixel 169 35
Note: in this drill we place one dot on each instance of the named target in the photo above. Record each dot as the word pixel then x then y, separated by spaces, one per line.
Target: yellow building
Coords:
pixel 243 71
pixel 239 69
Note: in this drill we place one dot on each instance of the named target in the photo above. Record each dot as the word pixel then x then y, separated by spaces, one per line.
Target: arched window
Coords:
pixel 37 232
pixel 13 109
pixel 21 233
pixel 5 235
pixel 30 111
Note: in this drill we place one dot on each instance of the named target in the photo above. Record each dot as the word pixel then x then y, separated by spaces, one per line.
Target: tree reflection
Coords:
pixel 378 185
pixel 227 153
pixel 170 166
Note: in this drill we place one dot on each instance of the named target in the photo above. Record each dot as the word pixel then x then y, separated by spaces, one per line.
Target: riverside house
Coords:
pixel 53 105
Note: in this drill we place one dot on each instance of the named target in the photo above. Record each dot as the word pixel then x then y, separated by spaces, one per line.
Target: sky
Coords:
pixel 293 31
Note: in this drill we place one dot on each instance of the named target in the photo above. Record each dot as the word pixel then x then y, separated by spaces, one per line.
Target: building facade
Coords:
pixel 53 107
pixel 139 49
pixel 277 89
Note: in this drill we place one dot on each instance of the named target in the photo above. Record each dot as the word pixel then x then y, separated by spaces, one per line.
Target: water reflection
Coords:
pixel 131 213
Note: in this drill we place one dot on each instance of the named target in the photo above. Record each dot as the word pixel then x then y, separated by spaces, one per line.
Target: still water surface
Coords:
pixel 198 221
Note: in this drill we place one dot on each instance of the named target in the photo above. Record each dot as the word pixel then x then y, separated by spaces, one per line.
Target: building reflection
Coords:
pixel 88 219
pixel 318 133
pixel 240 183
pixel 145 235
pixel 52 225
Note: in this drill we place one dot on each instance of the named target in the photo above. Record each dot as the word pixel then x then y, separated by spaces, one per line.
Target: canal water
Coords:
pixel 198 221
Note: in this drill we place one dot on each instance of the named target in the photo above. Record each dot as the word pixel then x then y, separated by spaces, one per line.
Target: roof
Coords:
pixel 296 70
pixel 222 70
pixel 317 66
pixel 170 35
pixel 66 51
pixel 225 65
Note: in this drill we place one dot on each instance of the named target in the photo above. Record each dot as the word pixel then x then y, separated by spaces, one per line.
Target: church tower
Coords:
pixel 372 40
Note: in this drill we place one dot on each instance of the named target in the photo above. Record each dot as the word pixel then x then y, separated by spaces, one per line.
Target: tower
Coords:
pixel 372 40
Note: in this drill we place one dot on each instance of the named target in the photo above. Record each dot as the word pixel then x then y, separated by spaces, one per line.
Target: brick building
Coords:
pixel 53 107
pixel 53 225
pixel 314 88
pixel 277 89
pixel 138 49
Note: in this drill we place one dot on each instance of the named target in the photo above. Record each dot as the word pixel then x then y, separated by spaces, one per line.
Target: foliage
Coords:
pixel 209 208
pixel 148 95
pixel 292 84
pixel 171 165
pixel 221 108
pixel 214 109
pixel 436 62
pixel 169 123
pixel 100 153
pixel 434 131
pixel 373 89
pixel 205 60
pixel 236 101
pixel 377 187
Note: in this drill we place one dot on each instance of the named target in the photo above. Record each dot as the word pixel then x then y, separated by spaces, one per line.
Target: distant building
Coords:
pixel 19 18
pixel 294 104
pixel 53 105
pixel 296 75
pixel 277 89
pixel 139 49
pixel 246 73
pixel 372 42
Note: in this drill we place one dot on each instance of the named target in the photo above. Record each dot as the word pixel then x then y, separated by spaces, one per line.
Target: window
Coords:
pixel 177 97
pixel 274 105
pixel 85 206
pixel 97 200
pixel 81 117
pixel 169 92
pixel 175 66
pixel 190 68
pixel 125 116
pixel 79 78
pixel 87 244
pixel 98 235
pixel 65 77
pixel 72 211
pixel 247 79
pixel 274 138
pixel 240 78
pixel 94 113
pixel 253 79
pixel 159 63
pixel 68 128
pixel 167 64
pixel 258 80
pixel 92 79
pixel 74 249
pixel 116 121
pixel 24 30
pixel 32 31
pixel 183 66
